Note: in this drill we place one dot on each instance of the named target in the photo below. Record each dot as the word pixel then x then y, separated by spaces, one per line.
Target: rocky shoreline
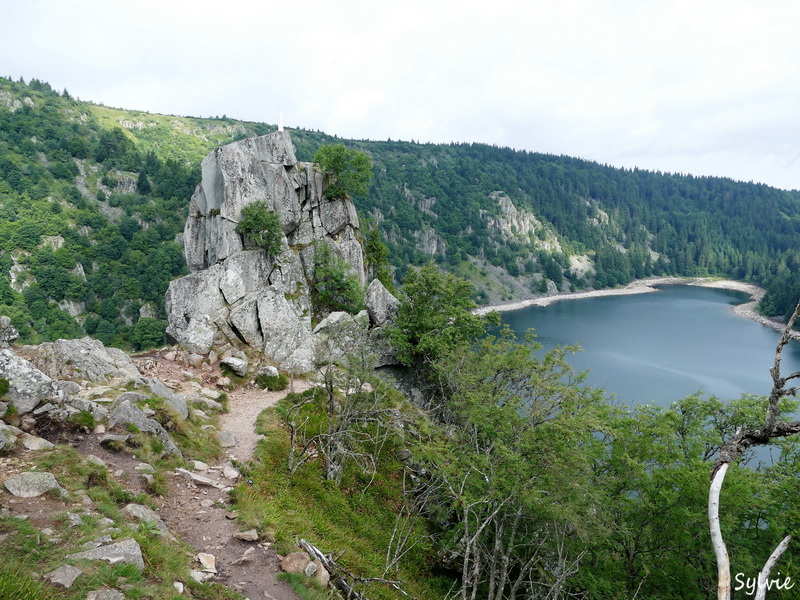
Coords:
pixel 644 286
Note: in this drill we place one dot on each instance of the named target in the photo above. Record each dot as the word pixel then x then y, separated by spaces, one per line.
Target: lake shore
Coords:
pixel 645 286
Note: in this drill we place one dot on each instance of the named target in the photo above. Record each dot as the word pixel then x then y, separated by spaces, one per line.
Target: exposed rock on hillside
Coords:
pixel 243 295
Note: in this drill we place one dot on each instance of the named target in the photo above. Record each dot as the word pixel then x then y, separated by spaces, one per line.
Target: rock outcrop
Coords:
pixel 243 295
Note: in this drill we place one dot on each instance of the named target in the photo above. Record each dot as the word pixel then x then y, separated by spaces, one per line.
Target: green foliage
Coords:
pixel 335 287
pixel 273 382
pixel 19 584
pixel 377 255
pixel 83 419
pixel 434 317
pixel 148 333
pixel 3 386
pixel 261 226
pixel 349 171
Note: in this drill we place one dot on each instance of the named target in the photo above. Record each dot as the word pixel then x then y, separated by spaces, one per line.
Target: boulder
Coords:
pixel 32 442
pixel 268 371
pixel 339 335
pixel 382 306
pixel 147 515
pixel 127 551
pixel 237 365
pixel 27 385
pixel 176 401
pixel 32 484
pixel 129 414
pixel 8 333
pixel 85 358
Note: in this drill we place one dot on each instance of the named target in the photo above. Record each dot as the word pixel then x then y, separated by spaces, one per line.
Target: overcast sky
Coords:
pixel 700 86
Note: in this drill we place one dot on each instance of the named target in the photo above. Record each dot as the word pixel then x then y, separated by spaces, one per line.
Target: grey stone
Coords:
pixel 209 403
pixel 32 442
pixel 339 335
pixel 237 365
pixel 64 576
pixel 229 472
pixel 245 294
pixel 27 385
pixel 382 306
pixel 310 570
pixel 251 535
pixel 85 358
pixel 96 543
pixel 146 515
pixel 32 484
pixel 3 440
pixel 68 388
pixel 268 371
pixel 134 397
pixel 176 401
pixel 95 460
pixel 75 519
pixel 8 333
pixel 127 551
pixel 199 479
pixel 129 414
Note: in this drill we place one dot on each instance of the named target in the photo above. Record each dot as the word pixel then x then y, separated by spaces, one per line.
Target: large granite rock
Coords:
pixel 32 484
pixel 85 358
pixel 127 551
pixel 382 306
pixel 27 385
pixel 8 333
pixel 130 414
pixel 243 293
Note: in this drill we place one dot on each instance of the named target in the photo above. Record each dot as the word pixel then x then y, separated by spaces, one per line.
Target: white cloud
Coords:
pixel 705 87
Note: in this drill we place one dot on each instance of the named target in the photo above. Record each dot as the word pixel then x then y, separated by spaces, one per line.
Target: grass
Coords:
pixel 26 551
pixel 18 584
pixel 357 516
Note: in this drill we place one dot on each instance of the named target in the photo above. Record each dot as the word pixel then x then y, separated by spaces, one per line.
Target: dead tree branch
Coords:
pixel 731 451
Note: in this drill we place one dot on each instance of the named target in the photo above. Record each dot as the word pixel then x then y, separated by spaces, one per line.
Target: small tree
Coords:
pixel 349 171
pixel 334 287
pixel 261 226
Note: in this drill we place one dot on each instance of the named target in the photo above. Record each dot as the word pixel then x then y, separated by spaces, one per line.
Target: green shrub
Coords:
pixel 273 382
pixel 83 419
pixel 335 287
pixel 3 386
pixel 261 226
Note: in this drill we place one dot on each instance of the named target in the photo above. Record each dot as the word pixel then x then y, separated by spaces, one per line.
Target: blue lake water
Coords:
pixel 659 347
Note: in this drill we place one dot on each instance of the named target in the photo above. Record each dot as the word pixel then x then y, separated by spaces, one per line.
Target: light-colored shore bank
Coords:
pixel 644 286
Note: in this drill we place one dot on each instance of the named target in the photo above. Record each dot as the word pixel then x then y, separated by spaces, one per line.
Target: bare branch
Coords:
pixel 763 577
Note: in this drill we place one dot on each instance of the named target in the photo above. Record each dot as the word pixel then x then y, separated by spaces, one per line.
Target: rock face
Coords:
pixel 87 358
pixel 8 333
pixel 243 293
pixel 27 385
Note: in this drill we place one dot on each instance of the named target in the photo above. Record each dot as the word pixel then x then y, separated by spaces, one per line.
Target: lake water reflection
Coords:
pixel 659 347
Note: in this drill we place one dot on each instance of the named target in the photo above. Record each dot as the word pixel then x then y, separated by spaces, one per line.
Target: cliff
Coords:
pixel 239 294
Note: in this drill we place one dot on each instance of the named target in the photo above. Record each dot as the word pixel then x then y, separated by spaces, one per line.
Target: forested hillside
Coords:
pixel 93 201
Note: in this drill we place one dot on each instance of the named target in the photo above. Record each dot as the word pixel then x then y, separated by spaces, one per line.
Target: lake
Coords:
pixel 660 347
